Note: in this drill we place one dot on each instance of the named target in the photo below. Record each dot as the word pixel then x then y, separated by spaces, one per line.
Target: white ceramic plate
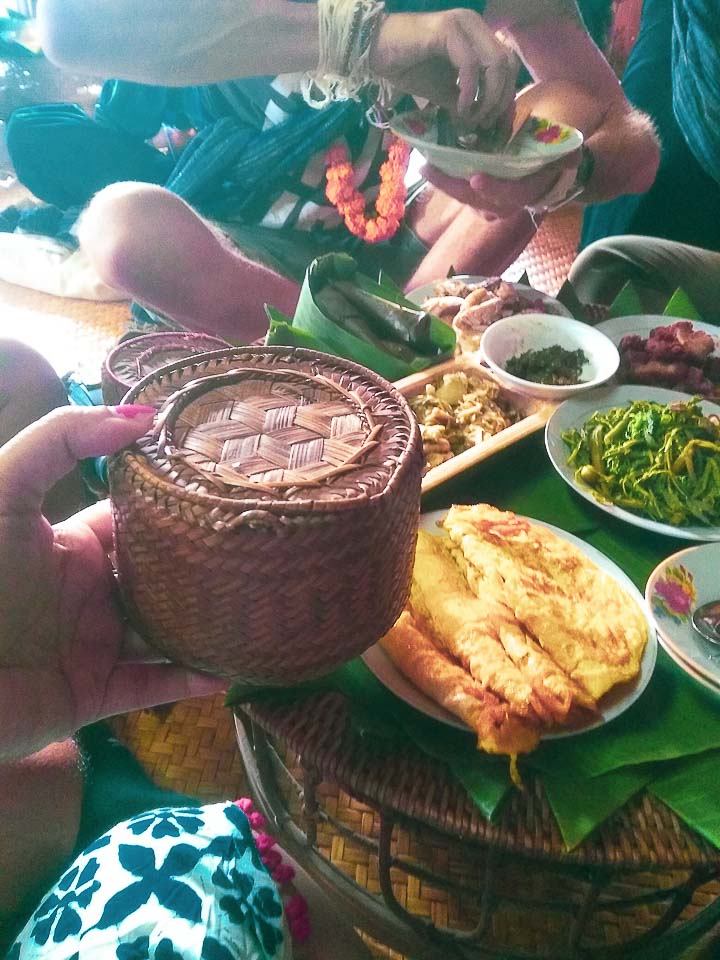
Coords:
pixel 513 336
pixel 526 155
pixel 550 304
pixel 686 667
pixel 675 588
pixel 642 323
pixel 574 412
pixel 614 703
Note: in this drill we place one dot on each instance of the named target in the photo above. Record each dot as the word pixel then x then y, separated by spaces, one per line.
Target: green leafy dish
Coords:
pixel 647 455
pixel 346 314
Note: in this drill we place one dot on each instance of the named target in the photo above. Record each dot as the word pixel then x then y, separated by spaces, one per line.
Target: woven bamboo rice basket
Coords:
pixel 265 529
pixel 132 360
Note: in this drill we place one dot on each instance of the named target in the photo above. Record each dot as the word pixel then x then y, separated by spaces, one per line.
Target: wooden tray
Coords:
pixel 534 415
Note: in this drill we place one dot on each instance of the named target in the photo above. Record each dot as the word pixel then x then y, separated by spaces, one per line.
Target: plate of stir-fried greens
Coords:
pixel 646 455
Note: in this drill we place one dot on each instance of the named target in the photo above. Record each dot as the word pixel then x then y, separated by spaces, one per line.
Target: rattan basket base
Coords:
pixel 191 748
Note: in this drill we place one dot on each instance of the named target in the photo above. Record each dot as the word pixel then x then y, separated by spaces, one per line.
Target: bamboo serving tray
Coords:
pixel 534 414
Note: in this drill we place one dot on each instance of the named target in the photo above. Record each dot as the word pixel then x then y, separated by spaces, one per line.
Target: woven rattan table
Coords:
pixel 507 889
pixel 404 852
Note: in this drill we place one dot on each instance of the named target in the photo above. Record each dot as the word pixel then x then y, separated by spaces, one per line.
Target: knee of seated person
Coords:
pixel 120 227
pixel 22 367
pixel 29 387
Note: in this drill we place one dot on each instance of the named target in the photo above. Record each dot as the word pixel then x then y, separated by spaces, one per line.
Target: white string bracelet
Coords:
pixel 347 29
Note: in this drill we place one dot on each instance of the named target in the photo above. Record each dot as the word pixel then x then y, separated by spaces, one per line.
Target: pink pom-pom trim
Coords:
pixel 283 873
pixel 271 859
pixel 264 842
pixel 296 908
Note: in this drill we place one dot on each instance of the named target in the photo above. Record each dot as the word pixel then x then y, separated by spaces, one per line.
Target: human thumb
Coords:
pixel 33 461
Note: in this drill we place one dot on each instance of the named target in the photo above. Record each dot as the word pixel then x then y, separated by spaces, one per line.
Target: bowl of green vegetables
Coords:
pixel 548 356
pixel 645 455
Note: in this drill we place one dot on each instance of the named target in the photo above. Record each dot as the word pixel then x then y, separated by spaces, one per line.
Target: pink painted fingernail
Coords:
pixel 132 410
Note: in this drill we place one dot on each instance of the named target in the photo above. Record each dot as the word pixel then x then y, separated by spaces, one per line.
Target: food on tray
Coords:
pixel 512 628
pixel 662 461
pixel 470 307
pixel 554 365
pixel 457 412
pixel 676 355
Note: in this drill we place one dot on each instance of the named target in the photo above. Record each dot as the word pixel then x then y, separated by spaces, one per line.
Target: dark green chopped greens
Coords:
pixel 662 461
pixel 554 365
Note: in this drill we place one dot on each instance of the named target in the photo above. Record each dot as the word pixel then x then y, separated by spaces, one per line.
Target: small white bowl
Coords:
pixel 534 331
pixel 526 156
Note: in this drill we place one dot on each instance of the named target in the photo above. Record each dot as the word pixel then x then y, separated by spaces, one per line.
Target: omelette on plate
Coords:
pixel 512 628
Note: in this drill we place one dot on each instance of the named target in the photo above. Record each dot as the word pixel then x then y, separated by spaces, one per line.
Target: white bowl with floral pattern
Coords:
pixel 675 588
pixel 538 143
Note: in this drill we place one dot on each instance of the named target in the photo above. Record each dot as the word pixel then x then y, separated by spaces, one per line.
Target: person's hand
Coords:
pixel 452 58
pixel 61 632
pixel 503 198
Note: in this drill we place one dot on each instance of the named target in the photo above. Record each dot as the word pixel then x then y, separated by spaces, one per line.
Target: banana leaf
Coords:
pixel 313 326
pixel 690 787
pixel 627 303
pixel 582 805
pixel 680 305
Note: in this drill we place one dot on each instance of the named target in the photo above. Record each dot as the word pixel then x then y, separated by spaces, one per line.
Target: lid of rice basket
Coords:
pixel 277 426
pixel 135 358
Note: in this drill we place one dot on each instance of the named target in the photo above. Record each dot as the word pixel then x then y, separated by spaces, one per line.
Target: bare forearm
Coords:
pixel 619 169
pixel 471 244
pixel 621 138
pixel 577 85
pixel 180 42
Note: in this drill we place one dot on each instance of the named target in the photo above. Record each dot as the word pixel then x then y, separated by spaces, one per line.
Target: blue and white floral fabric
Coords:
pixel 171 884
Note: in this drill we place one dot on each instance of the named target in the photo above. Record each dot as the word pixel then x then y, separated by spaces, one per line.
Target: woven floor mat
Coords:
pixel 189 747
pixel 74 335
pixel 550 254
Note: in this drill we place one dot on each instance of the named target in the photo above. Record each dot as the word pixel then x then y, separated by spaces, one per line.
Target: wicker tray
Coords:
pixel 133 359
pixel 265 529
pixel 440 880
pixel 533 415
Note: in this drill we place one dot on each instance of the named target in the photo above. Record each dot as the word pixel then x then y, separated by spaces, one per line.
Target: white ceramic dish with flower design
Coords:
pixel 676 587
pixel 538 143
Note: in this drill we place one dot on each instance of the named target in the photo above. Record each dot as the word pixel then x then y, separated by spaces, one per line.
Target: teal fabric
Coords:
pixel 175 883
pixel 696 78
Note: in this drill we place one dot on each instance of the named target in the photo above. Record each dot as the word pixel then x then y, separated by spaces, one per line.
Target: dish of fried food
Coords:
pixel 681 355
pixel 513 628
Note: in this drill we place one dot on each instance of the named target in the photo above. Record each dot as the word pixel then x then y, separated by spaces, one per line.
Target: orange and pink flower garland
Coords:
pixel 350 203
